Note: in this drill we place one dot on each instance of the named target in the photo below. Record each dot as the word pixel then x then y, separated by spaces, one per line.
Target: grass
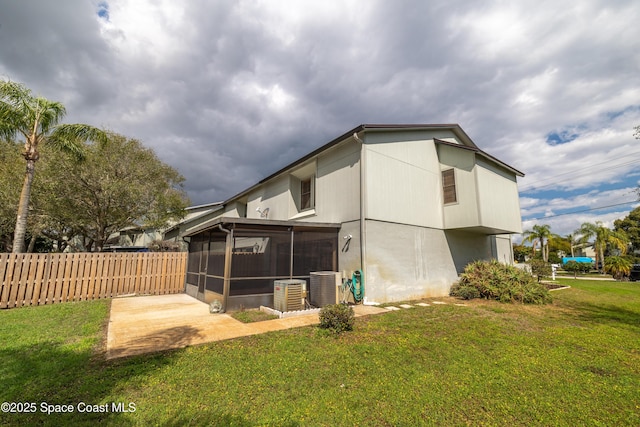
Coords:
pixel 575 362
pixel 250 316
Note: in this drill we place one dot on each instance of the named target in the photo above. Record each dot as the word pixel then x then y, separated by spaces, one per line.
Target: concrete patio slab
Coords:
pixel 146 324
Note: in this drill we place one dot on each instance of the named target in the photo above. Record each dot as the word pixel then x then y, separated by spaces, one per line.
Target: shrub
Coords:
pixel 337 317
pixel 465 291
pixel 540 268
pixel 617 266
pixel 505 283
pixel 577 267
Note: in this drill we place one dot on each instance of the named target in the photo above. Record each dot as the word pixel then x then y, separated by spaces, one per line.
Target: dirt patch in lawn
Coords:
pixel 555 286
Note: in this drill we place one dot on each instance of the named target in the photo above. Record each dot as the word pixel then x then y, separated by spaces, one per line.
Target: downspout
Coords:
pixel 291 255
pixel 363 206
pixel 188 243
pixel 227 267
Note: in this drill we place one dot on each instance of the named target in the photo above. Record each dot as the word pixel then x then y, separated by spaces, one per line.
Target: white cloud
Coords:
pixel 218 87
pixel 590 200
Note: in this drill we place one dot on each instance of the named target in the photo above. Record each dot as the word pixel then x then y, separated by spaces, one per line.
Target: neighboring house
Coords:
pixel 584 250
pixel 138 237
pixel 408 205
pixel 146 237
pixel 194 216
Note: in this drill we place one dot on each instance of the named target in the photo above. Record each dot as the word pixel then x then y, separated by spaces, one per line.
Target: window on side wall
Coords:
pixel 306 194
pixel 449 186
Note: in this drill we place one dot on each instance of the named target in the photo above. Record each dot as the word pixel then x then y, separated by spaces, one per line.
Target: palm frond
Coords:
pixel 14 92
pixel 14 104
pixel 49 114
pixel 70 137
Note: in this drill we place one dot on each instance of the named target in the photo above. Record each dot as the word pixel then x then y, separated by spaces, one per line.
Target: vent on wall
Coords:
pixel 324 288
pixel 289 295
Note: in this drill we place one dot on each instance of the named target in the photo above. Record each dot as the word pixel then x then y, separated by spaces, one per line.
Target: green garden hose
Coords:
pixel 357 285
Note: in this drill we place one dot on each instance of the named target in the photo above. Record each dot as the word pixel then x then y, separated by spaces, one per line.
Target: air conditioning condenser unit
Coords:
pixel 324 288
pixel 289 295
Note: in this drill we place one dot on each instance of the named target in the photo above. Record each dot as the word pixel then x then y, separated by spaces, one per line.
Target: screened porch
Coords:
pixel 236 260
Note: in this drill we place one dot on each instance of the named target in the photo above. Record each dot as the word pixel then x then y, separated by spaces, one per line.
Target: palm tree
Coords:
pixel 571 238
pixel 617 266
pixel 603 237
pixel 38 120
pixel 541 234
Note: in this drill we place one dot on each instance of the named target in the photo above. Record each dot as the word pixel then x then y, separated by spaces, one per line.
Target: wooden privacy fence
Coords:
pixel 39 279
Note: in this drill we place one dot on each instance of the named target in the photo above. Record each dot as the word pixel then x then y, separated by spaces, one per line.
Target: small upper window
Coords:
pixel 449 186
pixel 306 194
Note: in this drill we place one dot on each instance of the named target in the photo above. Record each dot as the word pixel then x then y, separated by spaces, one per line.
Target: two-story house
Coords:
pixel 407 205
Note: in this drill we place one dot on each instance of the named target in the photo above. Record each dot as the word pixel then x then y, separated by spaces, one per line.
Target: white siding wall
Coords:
pixel 336 188
pixel 464 212
pixel 405 262
pixel 498 198
pixel 503 248
pixel 403 180
pixel 338 184
pixel 487 195
pixel 236 210
pixel 349 250
pixel 275 196
pixel 467 247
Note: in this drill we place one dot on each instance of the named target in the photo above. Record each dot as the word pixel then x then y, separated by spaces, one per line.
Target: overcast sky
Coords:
pixel 228 92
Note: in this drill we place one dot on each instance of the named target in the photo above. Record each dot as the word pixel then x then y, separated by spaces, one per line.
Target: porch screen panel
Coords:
pixel 260 254
pixel 215 265
pixel 193 260
pixel 314 251
pixel 214 284
pixel 259 258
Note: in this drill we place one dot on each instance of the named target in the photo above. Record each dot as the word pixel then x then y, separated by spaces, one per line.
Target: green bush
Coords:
pixel 337 318
pixel 617 266
pixel 465 291
pixel 577 267
pixel 505 283
pixel 540 268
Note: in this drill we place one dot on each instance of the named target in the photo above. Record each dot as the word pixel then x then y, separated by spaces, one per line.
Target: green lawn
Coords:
pixel 575 362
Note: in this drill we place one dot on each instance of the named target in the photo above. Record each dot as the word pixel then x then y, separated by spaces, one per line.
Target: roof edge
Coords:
pixel 456 128
pixel 214 223
pixel 303 159
pixel 481 153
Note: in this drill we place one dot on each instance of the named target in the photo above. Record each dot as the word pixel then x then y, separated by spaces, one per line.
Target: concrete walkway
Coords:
pixel 139 325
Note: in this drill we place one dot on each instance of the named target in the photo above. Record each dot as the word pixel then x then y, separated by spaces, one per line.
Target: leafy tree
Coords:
pixel 617 266
pixel 558 244
pixel 554 258
pixel 11 168
pixel 11 171
pixel 117 184
pixel 603 238
pixel 38 121
pixel 571 241
pixel 520 252
pixel 539 234
pixel 577 267
pixel 540 268
pixel 630 225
